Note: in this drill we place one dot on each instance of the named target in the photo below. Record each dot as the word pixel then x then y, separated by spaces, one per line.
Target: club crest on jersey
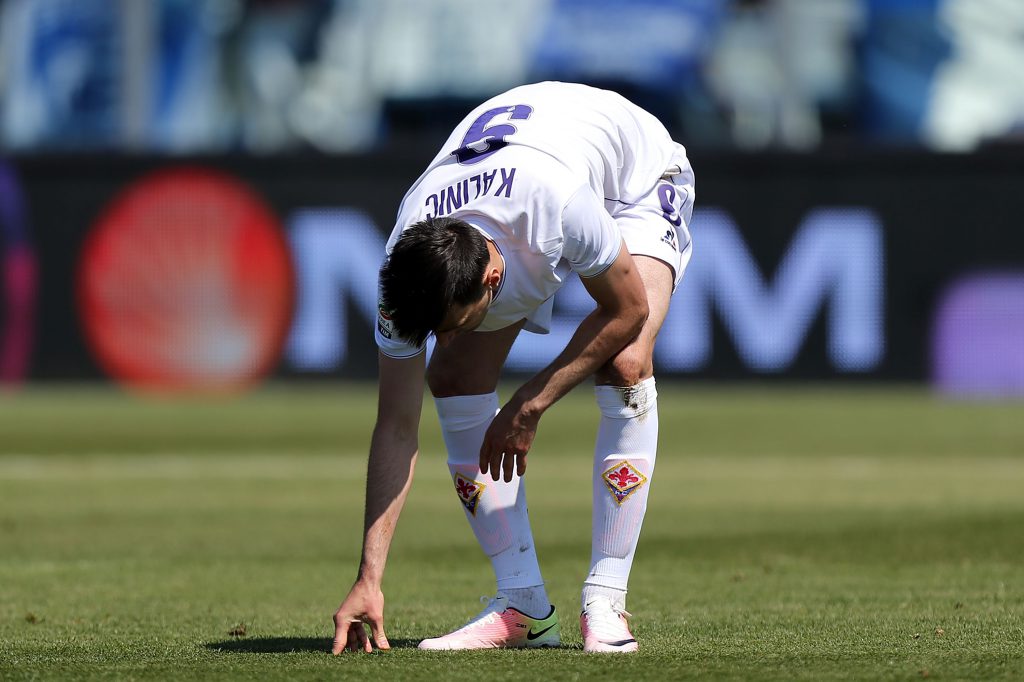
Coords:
pixel 623 480
pixel 384 324
pixel 469 491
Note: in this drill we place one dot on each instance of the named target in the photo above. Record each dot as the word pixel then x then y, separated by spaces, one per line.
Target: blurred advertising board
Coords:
pixel 213 273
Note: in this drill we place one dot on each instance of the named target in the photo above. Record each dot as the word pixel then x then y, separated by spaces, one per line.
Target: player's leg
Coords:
pixel 624 459
pixel 463 377
pixel 627 439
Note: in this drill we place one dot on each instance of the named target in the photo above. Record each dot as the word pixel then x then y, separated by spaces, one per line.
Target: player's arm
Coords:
pixel 393 451
pixel 619 316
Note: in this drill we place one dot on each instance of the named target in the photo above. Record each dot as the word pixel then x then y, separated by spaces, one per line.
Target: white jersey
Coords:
pixel 537 170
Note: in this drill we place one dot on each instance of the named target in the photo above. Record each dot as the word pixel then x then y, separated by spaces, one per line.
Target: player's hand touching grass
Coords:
pixel 363 605
pixel 508 440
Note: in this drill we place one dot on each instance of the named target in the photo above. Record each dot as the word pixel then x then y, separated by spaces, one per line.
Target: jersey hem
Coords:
pixel 605 268
pixel 401 357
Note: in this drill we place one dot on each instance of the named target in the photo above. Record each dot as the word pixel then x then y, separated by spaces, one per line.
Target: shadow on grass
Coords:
pixel 288 645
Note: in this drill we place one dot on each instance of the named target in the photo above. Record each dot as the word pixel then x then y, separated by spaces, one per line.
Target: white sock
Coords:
pixel 615 596
pixel 533 601
pixel 496 510
pixel 627 444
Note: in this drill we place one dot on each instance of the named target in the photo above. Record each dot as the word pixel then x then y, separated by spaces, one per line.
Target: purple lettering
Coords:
pixel 432 199
pixel 476 181
pixel 506 183
pixel 454 198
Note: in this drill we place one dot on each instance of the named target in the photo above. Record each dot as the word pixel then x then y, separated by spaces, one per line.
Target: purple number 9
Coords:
pixel 482 140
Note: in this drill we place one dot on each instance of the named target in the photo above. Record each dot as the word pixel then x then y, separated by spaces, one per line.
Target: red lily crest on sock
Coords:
pixel 622 480
pixel 469 491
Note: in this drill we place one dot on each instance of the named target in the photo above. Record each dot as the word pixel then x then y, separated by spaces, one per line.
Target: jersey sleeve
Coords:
pixel 592 239
pixel 388 341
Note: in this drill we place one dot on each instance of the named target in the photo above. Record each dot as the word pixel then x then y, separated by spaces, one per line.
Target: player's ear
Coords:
pixel 492 276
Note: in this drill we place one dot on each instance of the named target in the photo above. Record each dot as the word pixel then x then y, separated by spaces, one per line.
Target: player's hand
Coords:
pixel 507 442
pixel 364 604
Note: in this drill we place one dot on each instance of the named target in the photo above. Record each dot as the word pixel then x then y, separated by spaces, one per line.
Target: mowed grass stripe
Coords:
pixel 885 555
pixel 693 465
pixel 331 419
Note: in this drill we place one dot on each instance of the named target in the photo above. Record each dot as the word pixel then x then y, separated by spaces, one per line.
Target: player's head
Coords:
pixel 434 281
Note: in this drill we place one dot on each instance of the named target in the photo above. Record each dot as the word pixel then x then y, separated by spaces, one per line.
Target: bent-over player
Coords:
pixel 537 182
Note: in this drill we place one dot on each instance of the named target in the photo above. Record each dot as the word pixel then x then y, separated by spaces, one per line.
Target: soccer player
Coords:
pixel 537 182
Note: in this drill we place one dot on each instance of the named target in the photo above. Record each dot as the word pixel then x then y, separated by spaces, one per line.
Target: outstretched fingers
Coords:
pixel 341 634
pixel 352 639
pixel 508 464
pixel 363 606
pixel 350 635
pixel 490 458
pixel 379 638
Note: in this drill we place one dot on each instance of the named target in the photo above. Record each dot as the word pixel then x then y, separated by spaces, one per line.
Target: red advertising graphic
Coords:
pixel 185 283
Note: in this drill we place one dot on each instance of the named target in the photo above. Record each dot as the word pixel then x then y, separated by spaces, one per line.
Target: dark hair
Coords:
pixel 435 263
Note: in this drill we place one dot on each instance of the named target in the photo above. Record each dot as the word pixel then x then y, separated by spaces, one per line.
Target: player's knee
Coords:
pixel 631 366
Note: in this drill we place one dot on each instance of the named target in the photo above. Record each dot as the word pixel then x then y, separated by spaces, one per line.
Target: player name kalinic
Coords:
pixel 454 196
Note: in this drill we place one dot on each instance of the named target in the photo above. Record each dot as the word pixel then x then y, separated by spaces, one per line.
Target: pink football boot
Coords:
pixel 499 626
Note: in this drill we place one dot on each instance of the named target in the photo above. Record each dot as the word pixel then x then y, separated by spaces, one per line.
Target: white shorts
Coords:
pixel 658 224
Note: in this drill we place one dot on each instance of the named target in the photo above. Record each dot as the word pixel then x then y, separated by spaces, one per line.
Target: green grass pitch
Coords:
pixel 793 534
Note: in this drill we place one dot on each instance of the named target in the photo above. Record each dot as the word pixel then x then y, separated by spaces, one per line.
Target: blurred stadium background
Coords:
pixel 194 193
pixel 194 197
